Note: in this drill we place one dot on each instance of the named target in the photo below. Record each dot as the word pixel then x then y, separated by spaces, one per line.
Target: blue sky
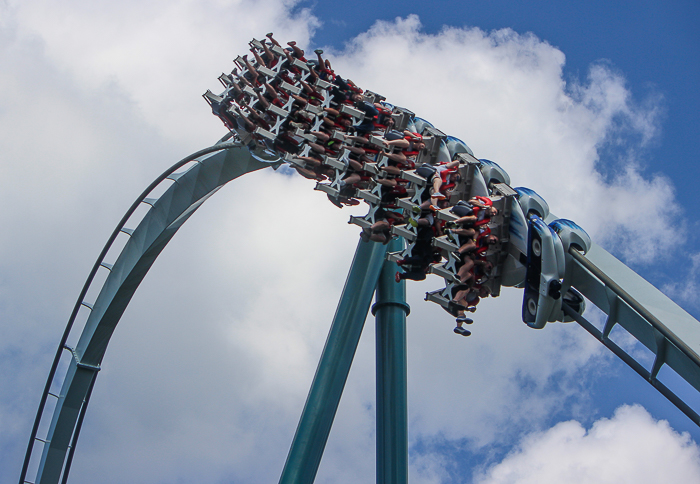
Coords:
pixel 651 44
pixel 592 104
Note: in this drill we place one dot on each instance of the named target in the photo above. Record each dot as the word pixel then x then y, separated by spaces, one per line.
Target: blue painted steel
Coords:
pixel 390 311
pixel 668 331
pixel 166 216
pixel 632 363
pixel 456 145
pixel 571 234
pixel 333 368
pixel 221 145
pixel 493 172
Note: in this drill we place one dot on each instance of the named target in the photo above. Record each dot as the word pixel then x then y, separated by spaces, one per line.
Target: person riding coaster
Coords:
pixel 304 113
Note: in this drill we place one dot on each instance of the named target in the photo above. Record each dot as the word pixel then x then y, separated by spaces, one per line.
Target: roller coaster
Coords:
pixel 434 208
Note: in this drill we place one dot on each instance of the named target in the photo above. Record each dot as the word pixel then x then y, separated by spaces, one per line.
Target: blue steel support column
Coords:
pixel 392 407
pixel 333 368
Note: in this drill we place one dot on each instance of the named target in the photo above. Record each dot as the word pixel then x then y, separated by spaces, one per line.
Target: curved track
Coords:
pixel 204 173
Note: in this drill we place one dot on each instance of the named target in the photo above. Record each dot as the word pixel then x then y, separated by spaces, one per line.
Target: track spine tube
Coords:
pixel 327 387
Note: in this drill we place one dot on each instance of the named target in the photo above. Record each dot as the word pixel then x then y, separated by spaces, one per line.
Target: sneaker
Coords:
pixel 472 309
pixel 464 319
pixel 438 196
pixel 416 210
pixel 318 51
pixel 462 331
pixel 413 222
pixel 335 201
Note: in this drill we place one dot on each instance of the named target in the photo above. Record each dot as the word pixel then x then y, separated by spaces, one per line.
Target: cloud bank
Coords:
pixel 208 372
pixel 631 447
pixel 505 94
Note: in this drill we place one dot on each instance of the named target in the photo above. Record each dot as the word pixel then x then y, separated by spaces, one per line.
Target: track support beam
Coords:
pixel 329 381
pixel 390 311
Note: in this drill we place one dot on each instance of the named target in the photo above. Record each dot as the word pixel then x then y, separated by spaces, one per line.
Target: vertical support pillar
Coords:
pixel 390 311
pixel 333 368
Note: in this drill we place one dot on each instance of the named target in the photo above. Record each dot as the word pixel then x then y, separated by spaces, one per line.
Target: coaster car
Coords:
pixel 546 266
pixel 478 185
pixel 528 254
pixel 420 124
pixel 571 235
pixel 493 173
pixel 456 145
pixel 531 203
pixel 515 264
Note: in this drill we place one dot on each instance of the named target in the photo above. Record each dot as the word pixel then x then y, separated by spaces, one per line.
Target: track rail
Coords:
pixel 214 166
pixel 658 323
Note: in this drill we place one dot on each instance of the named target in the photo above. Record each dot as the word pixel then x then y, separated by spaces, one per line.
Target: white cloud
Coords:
pixel 631 447
pixel 688 288
pixel 209 369
pixel 504 94
pixel 162 54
